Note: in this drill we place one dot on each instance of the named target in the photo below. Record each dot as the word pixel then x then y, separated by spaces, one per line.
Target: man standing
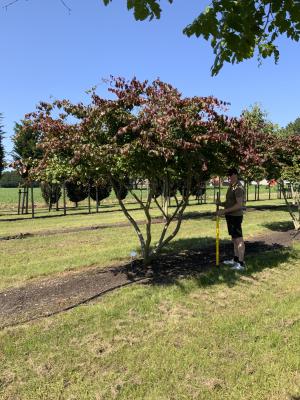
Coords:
pixel 233 211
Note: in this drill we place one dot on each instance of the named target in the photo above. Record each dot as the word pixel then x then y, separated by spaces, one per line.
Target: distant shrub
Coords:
pixel 76 192
pixel 51 193
pixel 104 190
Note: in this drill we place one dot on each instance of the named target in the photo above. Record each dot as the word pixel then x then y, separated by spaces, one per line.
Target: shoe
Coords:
pixel 229 262
pixel 238 267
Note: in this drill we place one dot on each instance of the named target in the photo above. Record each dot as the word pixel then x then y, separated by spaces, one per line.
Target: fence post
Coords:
pixel 64 198
pixel 97 199
pixel 89 197
pixel 27 198
pixel 19 201
pixel 32 201
pixel 247 191
pixel 280 190
pixel 23 201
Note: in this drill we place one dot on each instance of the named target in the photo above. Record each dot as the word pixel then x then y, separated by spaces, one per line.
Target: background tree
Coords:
pixel 293 128
pixel 100 190
pixel 26 140
pixel 76 191
pixel 257 119
pixel 25 150
pixel 121 187
pixel 51 193
pixel 288 158
pixel 236 29
pixel 260 136
pixel 10 179
pixel 1 146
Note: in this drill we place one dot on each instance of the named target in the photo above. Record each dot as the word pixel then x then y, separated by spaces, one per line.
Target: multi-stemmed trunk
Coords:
pixel 148 251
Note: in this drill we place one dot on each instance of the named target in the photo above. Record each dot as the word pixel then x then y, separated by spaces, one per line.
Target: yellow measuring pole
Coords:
pixel 218 234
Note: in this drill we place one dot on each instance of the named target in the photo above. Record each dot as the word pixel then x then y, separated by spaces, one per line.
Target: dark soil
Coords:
pixel 45 297
pixel 75 229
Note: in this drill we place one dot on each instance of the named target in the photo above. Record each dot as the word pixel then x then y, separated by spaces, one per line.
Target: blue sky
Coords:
pixel 45 51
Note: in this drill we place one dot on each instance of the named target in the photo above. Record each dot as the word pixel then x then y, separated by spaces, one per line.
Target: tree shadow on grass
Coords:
pixel 195 258
pixel 198 244
pixel 270 259
pixel 198 215
pixel 280 226
pixel 268 207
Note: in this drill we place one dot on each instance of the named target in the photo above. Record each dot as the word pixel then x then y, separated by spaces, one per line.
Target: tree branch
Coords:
pixel 10 4
pixel 163 242
pixel 66 6
pixel 149 220
pixel 160 208
pixel 16 1
pixel 131 220
pixel 137 198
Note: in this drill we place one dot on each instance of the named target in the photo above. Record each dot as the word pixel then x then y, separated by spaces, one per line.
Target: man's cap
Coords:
pixel 232 171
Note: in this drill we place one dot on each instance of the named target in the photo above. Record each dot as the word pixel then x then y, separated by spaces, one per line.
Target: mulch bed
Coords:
pixel 49 296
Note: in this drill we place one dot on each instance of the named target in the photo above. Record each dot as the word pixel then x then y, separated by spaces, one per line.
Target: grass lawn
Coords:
pixel 39 256
pixel 219 336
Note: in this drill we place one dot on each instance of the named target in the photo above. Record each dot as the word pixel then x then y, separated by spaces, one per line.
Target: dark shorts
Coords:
pixel 234 226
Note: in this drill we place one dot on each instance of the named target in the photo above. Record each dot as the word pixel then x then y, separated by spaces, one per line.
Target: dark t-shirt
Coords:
pixel 233 193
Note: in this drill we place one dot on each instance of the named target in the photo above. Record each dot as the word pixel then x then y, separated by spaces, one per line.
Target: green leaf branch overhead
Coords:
pixel 143 9
pixel 237 29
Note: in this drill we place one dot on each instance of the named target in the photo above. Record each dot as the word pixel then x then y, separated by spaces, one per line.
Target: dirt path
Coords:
pixel 155 220
pixel 45 297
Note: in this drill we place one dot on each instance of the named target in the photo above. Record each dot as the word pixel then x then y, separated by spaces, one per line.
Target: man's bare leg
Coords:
pixel 239 248
pixel 235 246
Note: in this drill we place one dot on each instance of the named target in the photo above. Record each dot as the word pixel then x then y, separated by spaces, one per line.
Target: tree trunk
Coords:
pixel 89 198
pixel 295 217
pixel 64 198
pixel 166 196
pixel 147 253
pixel 97 199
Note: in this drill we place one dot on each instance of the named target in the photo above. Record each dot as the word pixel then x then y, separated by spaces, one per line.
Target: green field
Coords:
pixel 44 254
pixel 9 197
pixel 220 335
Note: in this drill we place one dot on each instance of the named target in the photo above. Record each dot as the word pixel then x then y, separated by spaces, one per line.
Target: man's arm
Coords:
pixel 220 203
pixel 238 206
